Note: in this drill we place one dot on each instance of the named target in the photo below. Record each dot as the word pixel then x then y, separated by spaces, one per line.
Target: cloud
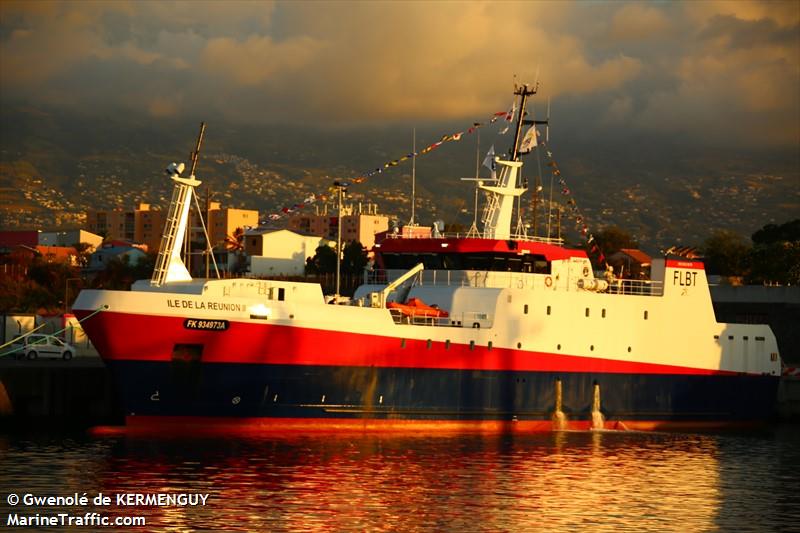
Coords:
pixel 637 21
pixel 257 59
pixel 357 62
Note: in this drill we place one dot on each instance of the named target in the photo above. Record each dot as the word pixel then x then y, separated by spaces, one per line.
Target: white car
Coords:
pixel 38 345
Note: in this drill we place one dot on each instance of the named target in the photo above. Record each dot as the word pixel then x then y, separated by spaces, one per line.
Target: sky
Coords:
pixel 725 72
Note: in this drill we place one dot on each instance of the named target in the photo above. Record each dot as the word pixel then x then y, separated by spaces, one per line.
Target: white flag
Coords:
pixel 529 142
pixel 489 161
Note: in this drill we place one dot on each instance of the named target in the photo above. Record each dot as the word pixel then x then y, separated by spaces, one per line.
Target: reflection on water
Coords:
pixel 594 481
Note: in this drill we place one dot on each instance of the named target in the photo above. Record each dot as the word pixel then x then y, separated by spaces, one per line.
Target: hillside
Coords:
pixel 53 167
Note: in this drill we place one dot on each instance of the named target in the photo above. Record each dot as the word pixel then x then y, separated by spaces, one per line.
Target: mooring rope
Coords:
pixel 34 330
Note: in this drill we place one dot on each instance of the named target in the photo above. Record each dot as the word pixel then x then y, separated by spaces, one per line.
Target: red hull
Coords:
pixel 180 426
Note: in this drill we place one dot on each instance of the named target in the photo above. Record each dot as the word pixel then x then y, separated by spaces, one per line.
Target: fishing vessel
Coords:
pixel 491 331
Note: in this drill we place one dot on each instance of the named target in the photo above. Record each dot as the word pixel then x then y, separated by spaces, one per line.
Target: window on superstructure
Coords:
pixel 525 309
pixel 645 315
pixel 603 313
pixel 281 294
pixel 548 309
pixel 587 311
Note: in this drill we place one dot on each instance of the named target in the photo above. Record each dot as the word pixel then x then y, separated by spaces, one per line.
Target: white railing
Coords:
pixel 638 287
pixel 505 280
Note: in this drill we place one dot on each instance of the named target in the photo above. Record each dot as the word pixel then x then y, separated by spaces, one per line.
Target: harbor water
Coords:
pixel 564 481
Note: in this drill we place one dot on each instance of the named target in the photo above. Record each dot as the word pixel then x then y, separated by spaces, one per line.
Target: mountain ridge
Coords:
pixel 54 166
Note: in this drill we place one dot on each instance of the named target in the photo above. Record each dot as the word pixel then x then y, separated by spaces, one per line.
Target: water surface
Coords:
pixel 590 481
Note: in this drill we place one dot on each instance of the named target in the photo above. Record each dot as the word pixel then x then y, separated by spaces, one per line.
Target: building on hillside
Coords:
pixel 18 249
pixel 9 240
pixel 22 254
pixel 111 250
pixel 221 223
pixel 281 252
pixel 630 263
pixel 70 238
pixel 142 225
pixel 360 222
pixel 148 226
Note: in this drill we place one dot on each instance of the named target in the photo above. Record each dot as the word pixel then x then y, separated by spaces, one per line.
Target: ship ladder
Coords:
pixel 168 237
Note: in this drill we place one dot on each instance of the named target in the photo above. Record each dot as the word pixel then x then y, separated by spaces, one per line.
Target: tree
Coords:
pixel 84 250
pixel 726 254
pixel 120 273
pixel 771 233
pixel 612 239
pixel 323 262
pixel 354 258
pixel 775 256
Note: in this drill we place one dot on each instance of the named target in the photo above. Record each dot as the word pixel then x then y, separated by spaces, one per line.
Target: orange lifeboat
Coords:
pixel 416 307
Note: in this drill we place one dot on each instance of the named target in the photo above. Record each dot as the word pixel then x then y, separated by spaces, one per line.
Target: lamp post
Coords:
pixel 341 189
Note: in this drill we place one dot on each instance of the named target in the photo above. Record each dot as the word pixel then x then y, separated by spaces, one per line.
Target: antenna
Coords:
pixel 413 173
pixel 547 127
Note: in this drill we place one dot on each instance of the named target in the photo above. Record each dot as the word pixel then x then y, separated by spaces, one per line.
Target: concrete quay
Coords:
pixel 66 394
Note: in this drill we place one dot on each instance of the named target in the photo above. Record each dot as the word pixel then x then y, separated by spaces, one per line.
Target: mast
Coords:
pixel 523 91
pixel 500 207
pixel 169 266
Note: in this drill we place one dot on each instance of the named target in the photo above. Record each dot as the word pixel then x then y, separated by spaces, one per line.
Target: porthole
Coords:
pixel 548 309
pixel 587 311
pixel 558 347
pixel 645 315
pixel 519 346
pixel 603 313
pixel 525 309
pixel 629 349
pixel 591 348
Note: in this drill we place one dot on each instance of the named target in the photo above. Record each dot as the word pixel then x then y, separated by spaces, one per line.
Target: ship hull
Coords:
pixel 312 397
